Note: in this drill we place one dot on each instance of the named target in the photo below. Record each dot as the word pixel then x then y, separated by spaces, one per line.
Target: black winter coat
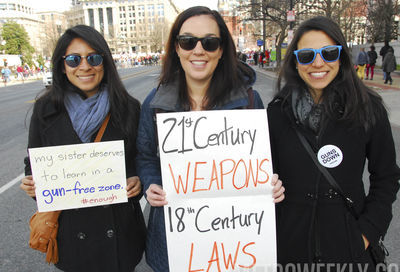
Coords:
pixel 313 221
pixel 104 238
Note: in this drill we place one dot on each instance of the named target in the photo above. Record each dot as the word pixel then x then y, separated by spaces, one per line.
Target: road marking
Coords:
pixel 31 101
pixel 11 183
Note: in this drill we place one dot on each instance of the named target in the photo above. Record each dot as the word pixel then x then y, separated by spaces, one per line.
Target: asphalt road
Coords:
pixel 16 208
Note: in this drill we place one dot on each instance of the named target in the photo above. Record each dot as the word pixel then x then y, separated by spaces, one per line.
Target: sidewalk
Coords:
pixel 378 81
pixel 16 82
pixel 390 93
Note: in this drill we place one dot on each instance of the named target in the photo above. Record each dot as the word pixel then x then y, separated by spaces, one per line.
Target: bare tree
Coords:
pixel 333 9
pixel 52 33
pixel 273 14
pixel 158 37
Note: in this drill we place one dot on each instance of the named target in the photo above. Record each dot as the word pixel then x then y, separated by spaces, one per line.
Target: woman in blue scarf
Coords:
pixel 86 89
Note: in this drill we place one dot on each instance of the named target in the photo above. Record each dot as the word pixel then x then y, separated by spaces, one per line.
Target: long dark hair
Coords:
pixel 346 93
pixel 226 75
pixel 123 115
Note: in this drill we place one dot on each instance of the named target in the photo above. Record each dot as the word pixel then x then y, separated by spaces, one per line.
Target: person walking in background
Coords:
pixel 389 65
pixel 383 52
pixel 6 73
pixel 267 57
pixel 362 61
pixel 255 57
pixel 372 56
pixel 86 89
pixel 322 104
pixel 20 73
pixel 200 72
pixel 262 59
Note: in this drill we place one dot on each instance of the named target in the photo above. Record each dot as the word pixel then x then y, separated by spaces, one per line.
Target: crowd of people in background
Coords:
pixel 21 72
pixel 24 71
pixel 257 58
pixel 131 60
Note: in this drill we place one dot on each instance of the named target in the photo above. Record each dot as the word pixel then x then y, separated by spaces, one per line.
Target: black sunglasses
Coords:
pixel 74 60
pixel 328 54
pixel 189 42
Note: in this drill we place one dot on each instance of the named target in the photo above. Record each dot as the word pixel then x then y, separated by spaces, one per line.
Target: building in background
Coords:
pixel 242 31
pixel 128 26
pixel 23 13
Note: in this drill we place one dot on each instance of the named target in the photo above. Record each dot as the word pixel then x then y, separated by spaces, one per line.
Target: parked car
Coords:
pixel 48 79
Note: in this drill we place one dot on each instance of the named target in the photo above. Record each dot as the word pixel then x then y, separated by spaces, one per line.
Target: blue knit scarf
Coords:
pixel 87 114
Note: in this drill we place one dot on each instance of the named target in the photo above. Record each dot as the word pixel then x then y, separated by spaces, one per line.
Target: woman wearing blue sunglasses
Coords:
pixel 86 90
pixel 321 105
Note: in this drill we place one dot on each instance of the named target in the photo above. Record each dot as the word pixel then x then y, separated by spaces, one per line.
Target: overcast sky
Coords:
pixel 61 5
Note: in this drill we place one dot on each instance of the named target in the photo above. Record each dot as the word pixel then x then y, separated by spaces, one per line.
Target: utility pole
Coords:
pixel 263 7
pixel 290 18
pixel 291 9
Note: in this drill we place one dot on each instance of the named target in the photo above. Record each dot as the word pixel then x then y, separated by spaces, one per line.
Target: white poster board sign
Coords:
pixel 79 176
pixel 216 170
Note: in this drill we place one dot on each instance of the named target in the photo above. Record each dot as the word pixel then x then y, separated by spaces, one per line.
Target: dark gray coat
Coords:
pixel 389 62
pixel 104 238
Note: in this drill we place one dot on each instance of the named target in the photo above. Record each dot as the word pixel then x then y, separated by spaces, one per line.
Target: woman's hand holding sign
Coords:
pixel 278 190
pixel 28 185
pixel 133 186
pixel 156 196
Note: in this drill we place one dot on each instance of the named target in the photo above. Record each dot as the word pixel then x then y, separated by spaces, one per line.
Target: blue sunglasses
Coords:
pixel 74 60
pixel 329 53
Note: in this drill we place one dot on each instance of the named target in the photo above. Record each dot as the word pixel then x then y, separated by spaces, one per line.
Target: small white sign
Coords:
pixel 330 156
pixel 78 176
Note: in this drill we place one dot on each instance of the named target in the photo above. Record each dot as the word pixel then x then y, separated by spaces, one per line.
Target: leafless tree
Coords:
pixel 158 37
pixel 273 14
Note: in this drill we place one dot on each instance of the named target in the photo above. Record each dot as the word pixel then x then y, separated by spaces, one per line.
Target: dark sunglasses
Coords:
pixel 74 60
pixel 328 54
pixel 189 42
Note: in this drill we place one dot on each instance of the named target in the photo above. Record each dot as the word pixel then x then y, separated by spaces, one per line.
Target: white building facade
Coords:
pixel 129 26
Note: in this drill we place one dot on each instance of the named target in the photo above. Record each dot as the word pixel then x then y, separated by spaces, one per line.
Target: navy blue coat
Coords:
pixel 148 161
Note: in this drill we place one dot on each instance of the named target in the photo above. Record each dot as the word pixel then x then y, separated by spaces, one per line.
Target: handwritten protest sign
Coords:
pixel 216 170
pixel 77 176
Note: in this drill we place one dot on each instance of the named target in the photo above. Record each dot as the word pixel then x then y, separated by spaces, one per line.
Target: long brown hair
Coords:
pixel 226 75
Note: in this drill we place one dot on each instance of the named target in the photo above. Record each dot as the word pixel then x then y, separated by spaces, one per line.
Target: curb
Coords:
pixel 375 85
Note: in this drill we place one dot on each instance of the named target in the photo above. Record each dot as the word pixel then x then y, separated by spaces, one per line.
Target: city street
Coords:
pixel 16 104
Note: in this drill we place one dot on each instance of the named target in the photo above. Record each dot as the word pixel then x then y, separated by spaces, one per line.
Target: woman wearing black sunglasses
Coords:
pixel 200 72
pixel 86 88
pixel 345 123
